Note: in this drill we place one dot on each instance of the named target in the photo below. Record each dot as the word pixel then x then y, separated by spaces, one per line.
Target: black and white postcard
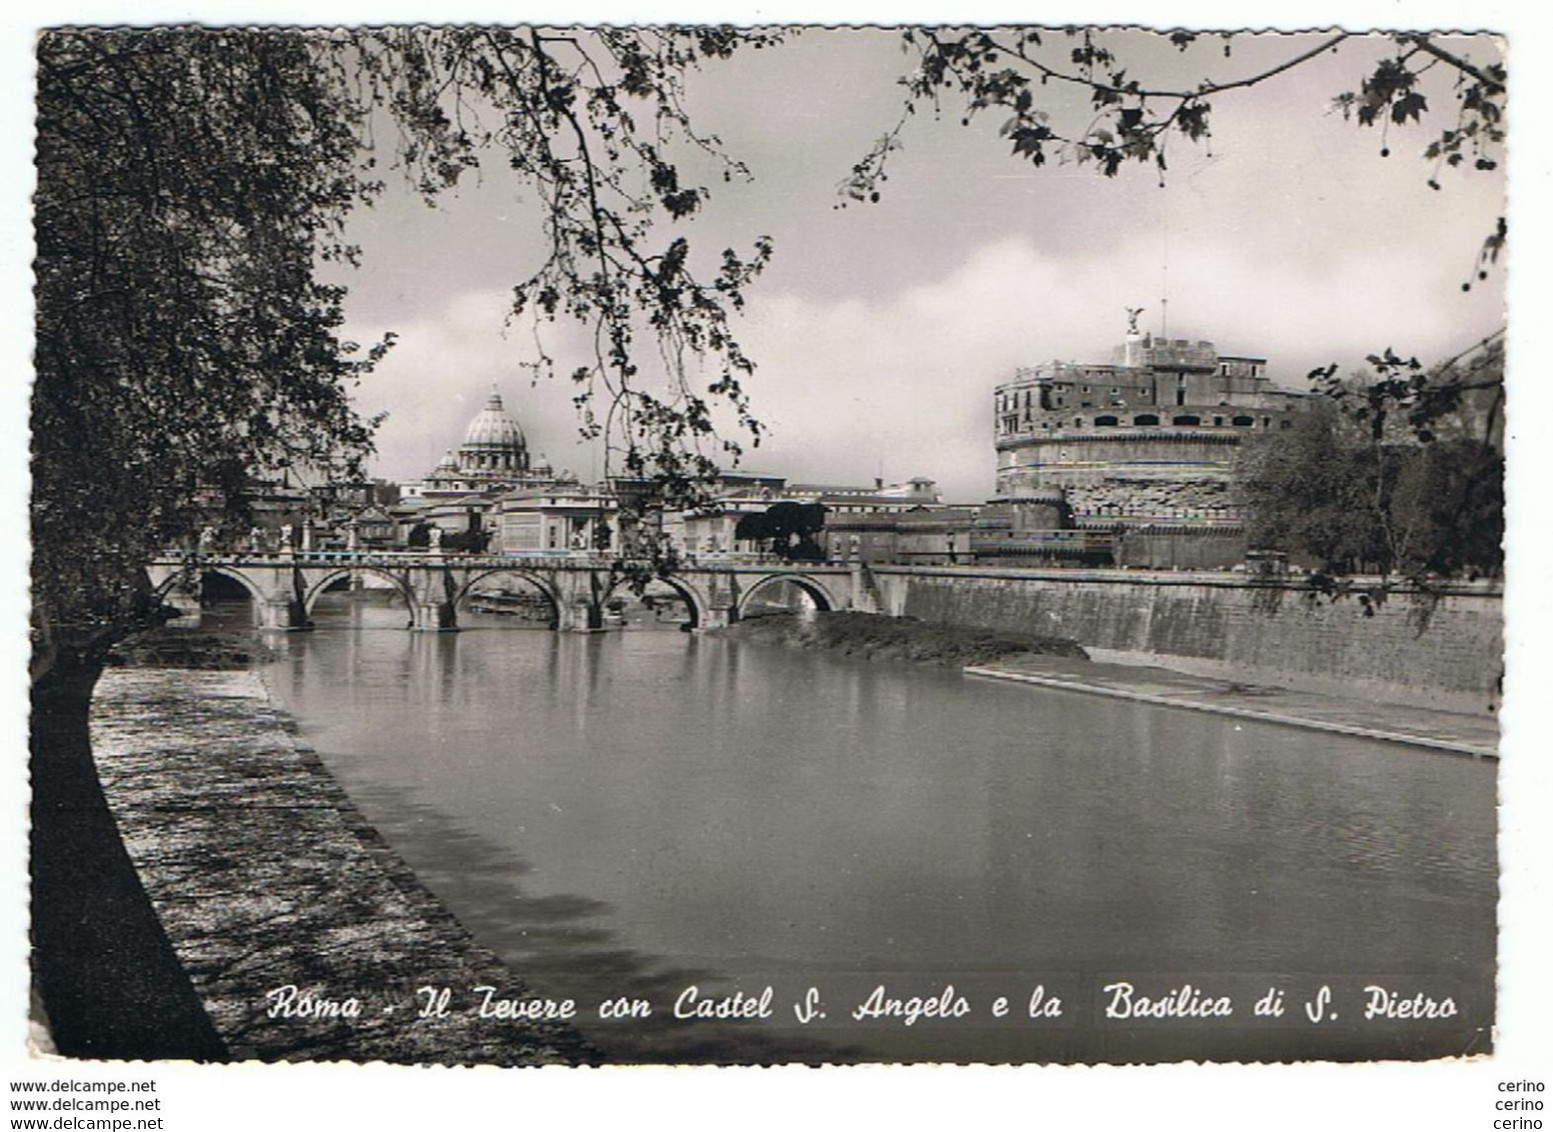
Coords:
pixel 702 544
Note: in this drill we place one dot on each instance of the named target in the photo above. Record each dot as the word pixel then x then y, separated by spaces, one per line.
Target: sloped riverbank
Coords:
pixel 897 638
pixel 304 934
pixel 221 650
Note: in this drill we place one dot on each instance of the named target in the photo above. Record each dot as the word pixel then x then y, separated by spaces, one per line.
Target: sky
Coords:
pixel 879 331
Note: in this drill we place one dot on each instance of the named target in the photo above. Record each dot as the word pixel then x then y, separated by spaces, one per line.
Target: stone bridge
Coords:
pixel 284 586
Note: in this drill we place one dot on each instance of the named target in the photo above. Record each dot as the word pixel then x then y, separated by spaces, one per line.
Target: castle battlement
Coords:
pixel 1151 435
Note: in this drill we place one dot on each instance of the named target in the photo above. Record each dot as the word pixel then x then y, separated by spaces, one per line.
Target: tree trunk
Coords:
pixel 111 985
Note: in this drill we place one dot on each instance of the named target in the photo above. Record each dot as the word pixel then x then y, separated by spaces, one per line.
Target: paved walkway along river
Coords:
pixel 266 878
pixel 1417 727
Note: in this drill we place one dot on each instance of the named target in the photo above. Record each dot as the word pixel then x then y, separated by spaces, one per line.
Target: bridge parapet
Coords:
pixel 388 559
pixel 559 560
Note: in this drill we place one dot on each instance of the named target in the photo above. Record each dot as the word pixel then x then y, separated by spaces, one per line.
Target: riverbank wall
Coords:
pixel 1441 650
pixel 304 935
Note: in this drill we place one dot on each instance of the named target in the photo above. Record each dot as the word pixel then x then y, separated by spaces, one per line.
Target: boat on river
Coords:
pixel 524 604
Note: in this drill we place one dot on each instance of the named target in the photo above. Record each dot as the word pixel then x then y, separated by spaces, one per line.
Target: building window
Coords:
pixel 1145 419
pixel 1186 419
pixel 1105 422
pixel 1242 422
pixel 1285 424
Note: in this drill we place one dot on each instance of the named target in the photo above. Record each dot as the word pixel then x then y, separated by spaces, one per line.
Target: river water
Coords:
pixel 634 813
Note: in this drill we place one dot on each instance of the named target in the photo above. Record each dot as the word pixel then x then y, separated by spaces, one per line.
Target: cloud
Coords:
pixel 439 374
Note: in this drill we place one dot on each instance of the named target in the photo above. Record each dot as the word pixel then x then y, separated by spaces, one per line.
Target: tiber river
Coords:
pixel 634 813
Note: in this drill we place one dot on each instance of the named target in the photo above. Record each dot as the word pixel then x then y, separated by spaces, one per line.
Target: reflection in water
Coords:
pixel 628 813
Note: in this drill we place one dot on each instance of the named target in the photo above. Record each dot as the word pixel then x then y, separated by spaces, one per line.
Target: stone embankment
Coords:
pixel 897 638
pixel 266 877
pixel 191 648
pixel 1440 649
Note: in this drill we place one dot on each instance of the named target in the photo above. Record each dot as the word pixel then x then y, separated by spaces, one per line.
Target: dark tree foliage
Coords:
pixel 788 528
pixel 187 184
pixel 467 542
pixel 1461 397
pixel 751 528
pixel 1307 494
pixel 1397 473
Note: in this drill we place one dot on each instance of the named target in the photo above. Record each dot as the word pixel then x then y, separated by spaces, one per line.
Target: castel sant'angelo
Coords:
pixel 1143 446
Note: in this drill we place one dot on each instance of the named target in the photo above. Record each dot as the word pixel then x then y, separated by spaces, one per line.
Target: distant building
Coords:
pixel 464 492
pixel 861 520
pixel 274 502
pixel 556 518
pixel 934 536
pixel 1141 449
pixel 493 457
pixel 917 490
pixel 375 528
pixel 713 529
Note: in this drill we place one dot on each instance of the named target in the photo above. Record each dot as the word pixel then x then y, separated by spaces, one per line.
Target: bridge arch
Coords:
pixel 317 586
pixel 550 593
pixel 695 600
pixel 196 571
pixel 822 598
